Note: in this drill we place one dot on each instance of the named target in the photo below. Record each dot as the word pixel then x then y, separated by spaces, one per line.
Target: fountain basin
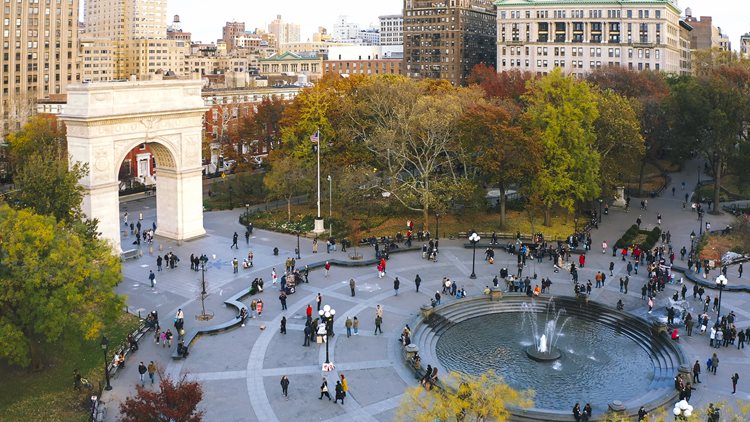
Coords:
pixel 550 355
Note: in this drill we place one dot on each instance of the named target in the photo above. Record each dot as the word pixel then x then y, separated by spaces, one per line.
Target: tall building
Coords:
pixel 745 46
pixel 704 34
pixel 230 31
pixel 391 30
pixel 40 42
pixel 284 32
pixel 581 36
pixel 138 32
pixel 447 38
pixel 344 30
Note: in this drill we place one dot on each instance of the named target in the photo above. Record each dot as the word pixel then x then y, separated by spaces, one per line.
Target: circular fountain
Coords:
pixel 565 352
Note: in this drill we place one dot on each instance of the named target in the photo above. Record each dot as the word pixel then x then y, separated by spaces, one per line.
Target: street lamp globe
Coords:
pixel 474 237
pixel 692 235
pixel 721 281
pixel 333 312
pixel 327 314
pixel 105 343
pixel 320 312
pixel 327 308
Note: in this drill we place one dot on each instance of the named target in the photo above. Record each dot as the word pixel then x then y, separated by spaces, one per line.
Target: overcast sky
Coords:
pixel 206 18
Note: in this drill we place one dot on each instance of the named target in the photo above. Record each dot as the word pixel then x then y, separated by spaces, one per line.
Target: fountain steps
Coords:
pixel 666 359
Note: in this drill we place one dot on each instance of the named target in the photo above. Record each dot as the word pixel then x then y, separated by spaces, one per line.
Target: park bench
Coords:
pixel 124 348
pixel 130 254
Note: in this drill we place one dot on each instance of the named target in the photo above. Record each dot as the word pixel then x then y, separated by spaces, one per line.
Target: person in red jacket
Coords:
pixel 581 260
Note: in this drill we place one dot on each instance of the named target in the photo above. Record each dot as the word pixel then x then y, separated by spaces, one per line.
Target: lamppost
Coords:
pixel 247 213
pixel 692 242
pixel 105 347
pixel 721 282
pixel 601 202
pixel 682 410
pixel 699 176
pixel 575 224
pixel 319 224
pixel 330 196
pixel 700 226
pixel 298 257
pixel 326 315
pixel 474 239
pixel 437 226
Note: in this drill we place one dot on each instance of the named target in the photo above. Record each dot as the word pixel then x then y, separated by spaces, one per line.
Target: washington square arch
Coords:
pixel 106 120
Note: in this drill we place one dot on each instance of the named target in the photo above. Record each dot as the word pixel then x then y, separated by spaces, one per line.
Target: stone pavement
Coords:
pixel 240 369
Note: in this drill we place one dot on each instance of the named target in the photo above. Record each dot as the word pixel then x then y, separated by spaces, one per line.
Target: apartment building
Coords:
pixel 391 30
pixel 445 39
pixel 230 32
pixel 581 36
pixel 96 58
pixel 745 46
pixel 40 41
pixel 284 32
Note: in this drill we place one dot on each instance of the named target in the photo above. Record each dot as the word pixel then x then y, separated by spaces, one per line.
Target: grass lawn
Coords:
pixel 450 225
pixel 48 395
pixel 652 179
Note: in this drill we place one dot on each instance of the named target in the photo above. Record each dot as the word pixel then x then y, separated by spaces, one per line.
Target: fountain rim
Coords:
pixel 648 400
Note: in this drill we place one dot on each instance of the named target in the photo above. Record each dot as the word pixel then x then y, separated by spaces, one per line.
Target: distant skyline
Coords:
pixel 205 23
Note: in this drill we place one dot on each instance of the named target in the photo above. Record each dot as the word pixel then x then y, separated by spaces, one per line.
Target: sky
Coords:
pixel 205 19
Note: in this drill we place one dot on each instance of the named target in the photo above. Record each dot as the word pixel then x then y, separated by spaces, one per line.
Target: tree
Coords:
pixel 564 111
pixel 709 114
pixel 477 398
pixel 265 124
pixel 53 283
pixel 174 402
pixel 42 134
pixel 508 84
pixel 411 130
pixel 618 137
pixel 288 177
pixel 499 147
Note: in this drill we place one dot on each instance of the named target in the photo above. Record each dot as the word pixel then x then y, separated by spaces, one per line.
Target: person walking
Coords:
pixel 235 265
pixel 285 386
pixel 151 278
pixel 308 333
pixel 319 301
pixel 348 324
pixel 142 373
pixel 339 393
pixel 650 304
pixel 741 340
pixel 355 326
pixel 282 299
pixel 151 371
pixel 324 390
pixel 396 285
pixel 739 270
pixel 714 363
pixel 697 372
pixel 417 282
pixel 735 378
pixel 328 268
pixel 234 241
pixel 378 323
pixel 283 325
pixel 352 286
pixel 344 384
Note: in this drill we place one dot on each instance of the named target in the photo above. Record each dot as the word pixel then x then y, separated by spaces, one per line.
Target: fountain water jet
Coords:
pixel 544 348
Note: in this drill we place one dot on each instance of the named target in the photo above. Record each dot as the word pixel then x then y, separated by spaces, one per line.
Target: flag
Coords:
pixel 315 137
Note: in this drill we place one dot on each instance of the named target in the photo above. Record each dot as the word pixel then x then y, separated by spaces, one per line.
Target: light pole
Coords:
pixel 298 257
pixel 700 226
pixel 247 214
pixel 437 226
pixel 105 347
pixel 319 224
pixel 575 225
pixel 474 239
pixel 682 410
pixel 692 242
pixel 330 196
pixel 601 201
pixel 326 314
pixel 721 282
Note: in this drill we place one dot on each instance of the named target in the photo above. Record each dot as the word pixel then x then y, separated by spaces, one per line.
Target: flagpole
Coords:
pixel 318 173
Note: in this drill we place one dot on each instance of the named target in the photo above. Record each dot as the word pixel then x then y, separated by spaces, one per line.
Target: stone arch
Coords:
pixel 106 120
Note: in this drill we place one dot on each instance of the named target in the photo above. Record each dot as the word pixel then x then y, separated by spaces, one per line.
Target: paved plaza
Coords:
pixel 240 369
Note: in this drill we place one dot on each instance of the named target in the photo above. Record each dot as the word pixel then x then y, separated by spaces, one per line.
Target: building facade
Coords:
pixel 581 36
pixel 96 56
pixel 230 31
pixel 288 66
pixel 446 39
pixel 745 46
pixel 391 30
pixel 40 42
pixel 283 31
pixel 704 35
pixel 363 67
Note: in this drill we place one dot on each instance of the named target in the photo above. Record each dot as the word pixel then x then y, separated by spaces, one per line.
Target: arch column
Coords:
pixel 179 204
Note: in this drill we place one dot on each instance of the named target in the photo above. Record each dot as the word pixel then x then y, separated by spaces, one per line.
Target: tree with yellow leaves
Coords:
pixel 474 398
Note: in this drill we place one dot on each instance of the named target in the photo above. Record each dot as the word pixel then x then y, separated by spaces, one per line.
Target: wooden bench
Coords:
pixel 124 348
pixel 130 254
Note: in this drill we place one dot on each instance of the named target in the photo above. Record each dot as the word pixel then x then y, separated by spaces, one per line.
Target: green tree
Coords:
pixel 564 112
pixel 709 114
pixel 53 283
pixel 477 398
pixel 411 131
pixel 288 177
pixel 618 138
pixel 502 152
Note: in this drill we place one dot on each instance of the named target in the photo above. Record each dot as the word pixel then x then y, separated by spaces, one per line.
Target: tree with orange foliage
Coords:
pixel 509 85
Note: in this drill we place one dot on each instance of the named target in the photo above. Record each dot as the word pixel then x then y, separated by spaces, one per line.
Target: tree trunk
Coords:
pixel 640 177
pixel 502 204
pixel 35 350
pixel 426 218
pixel 717 186
pixel 289 208
pixel 547 219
